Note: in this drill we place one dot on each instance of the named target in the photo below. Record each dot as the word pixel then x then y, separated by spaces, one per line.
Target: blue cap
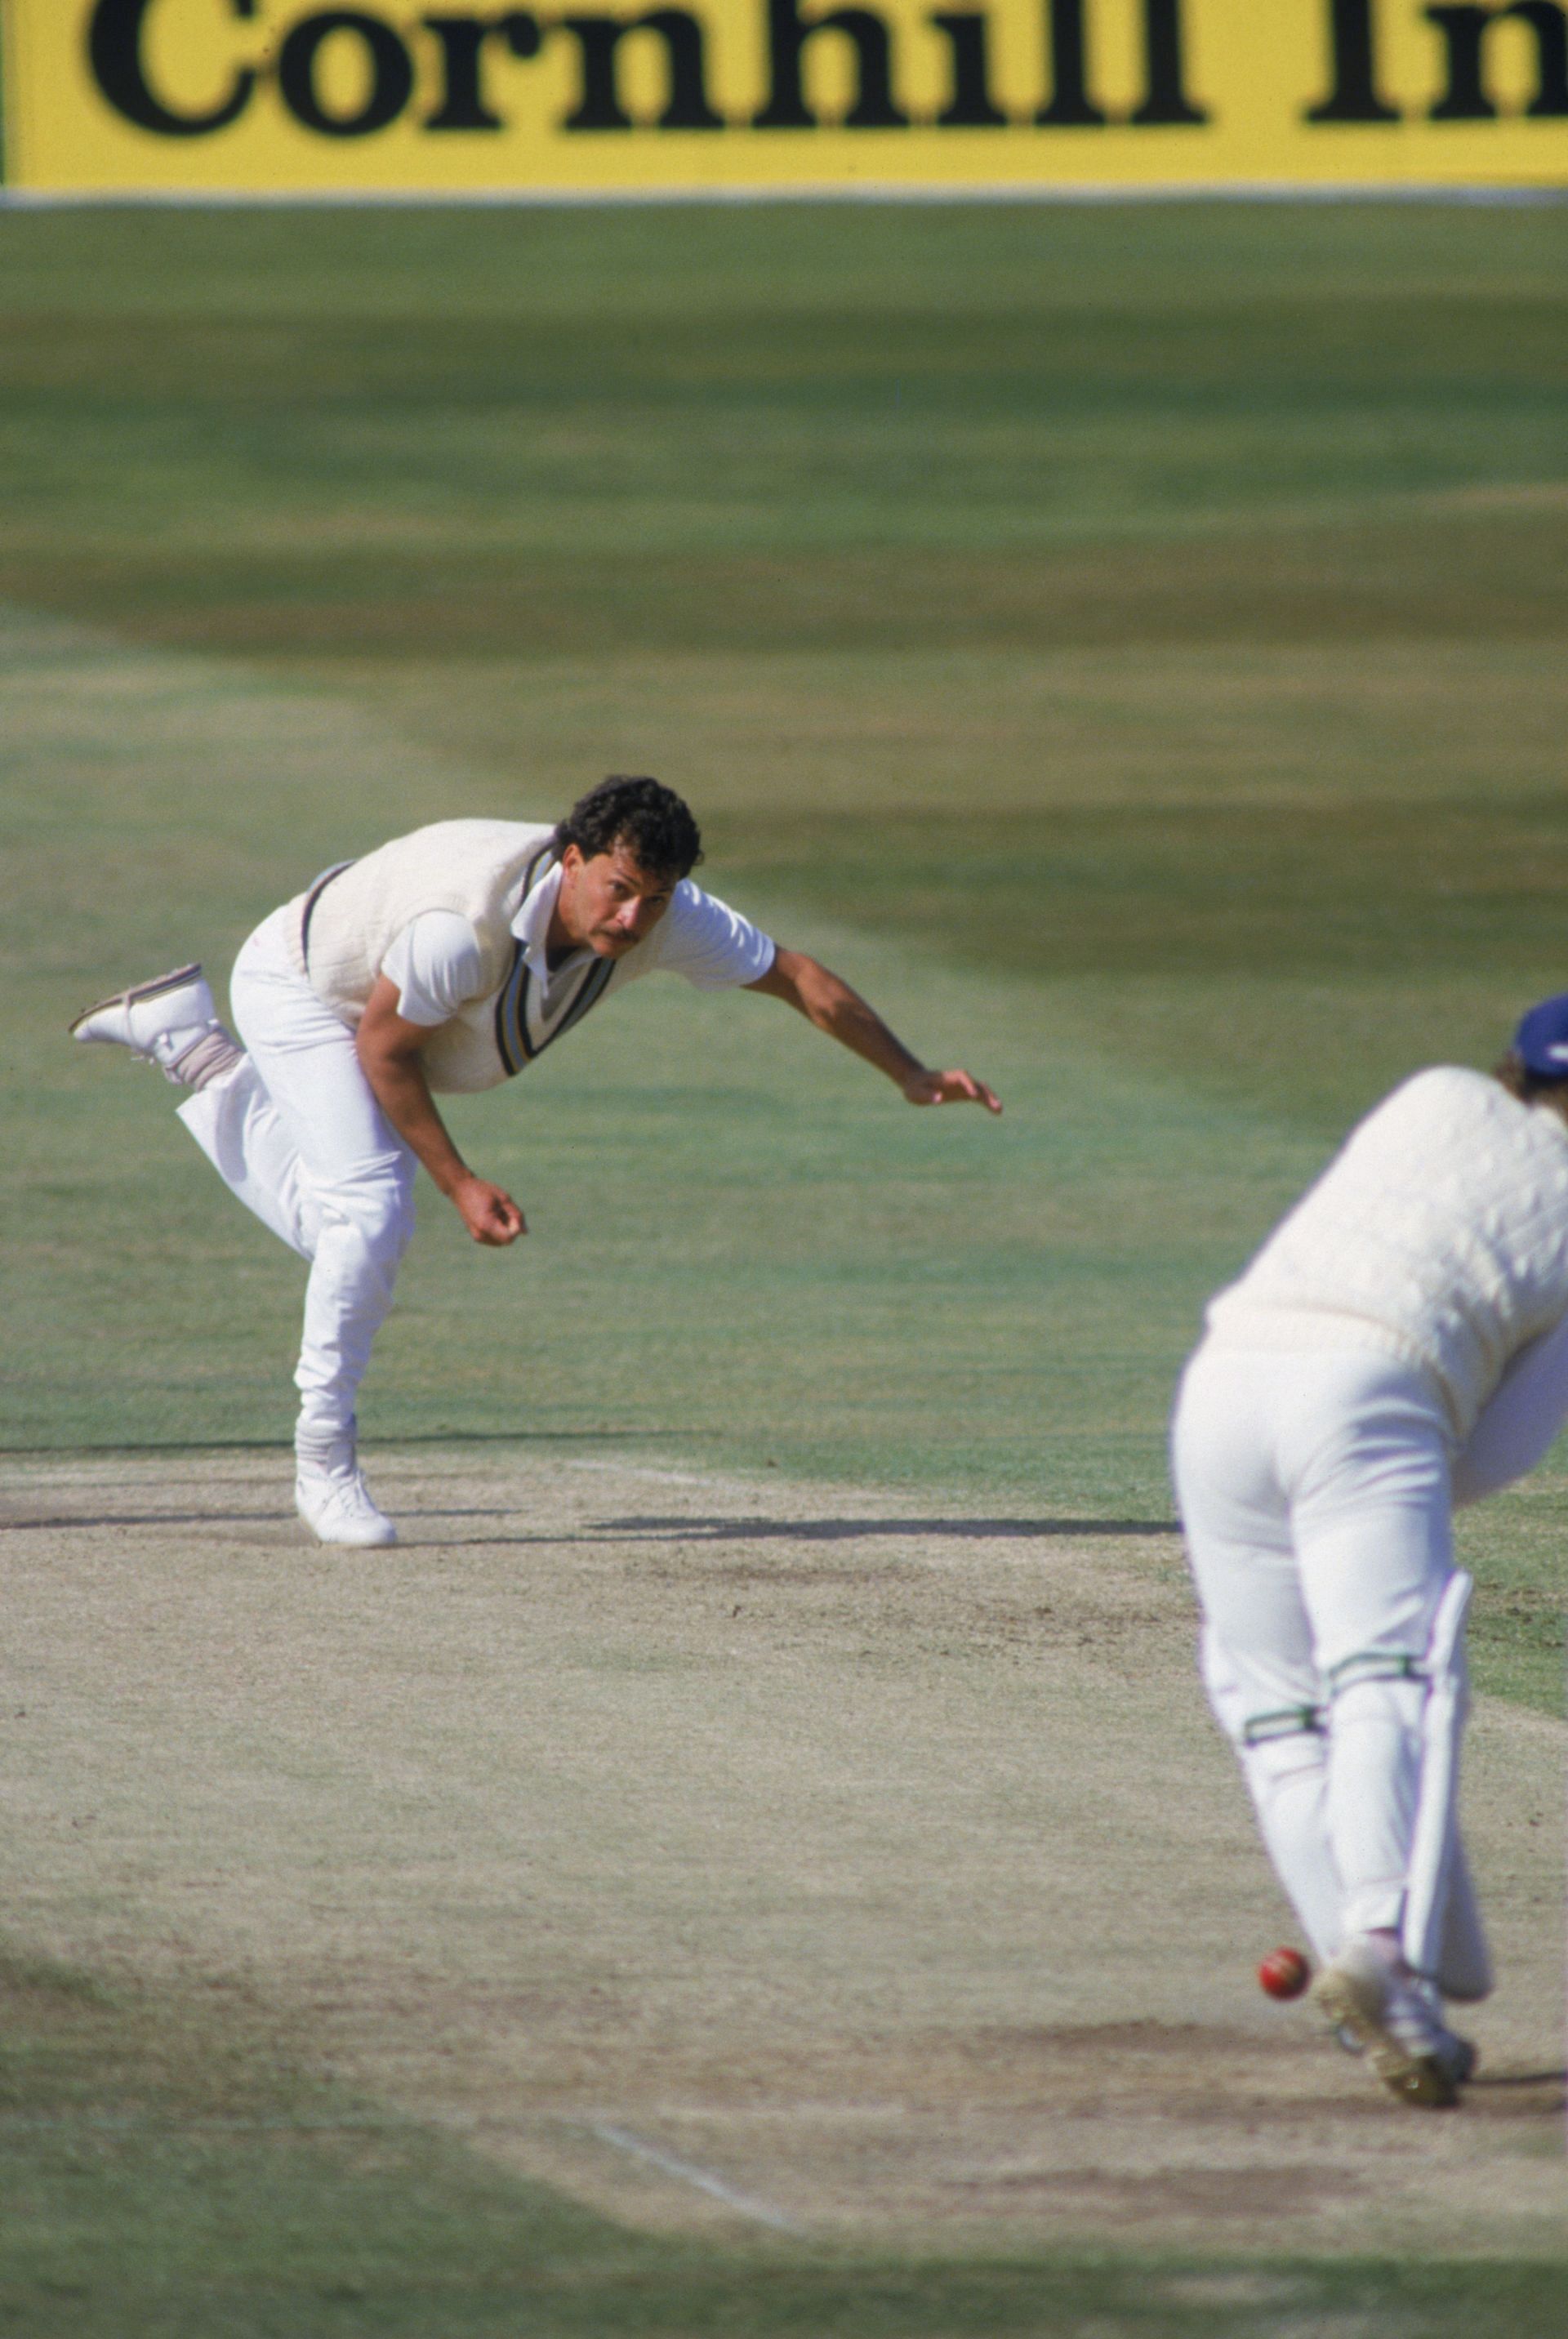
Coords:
pixel 1542 1039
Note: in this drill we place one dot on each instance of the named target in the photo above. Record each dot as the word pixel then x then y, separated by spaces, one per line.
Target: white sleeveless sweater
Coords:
pixel 477 868
pixel 1438 1234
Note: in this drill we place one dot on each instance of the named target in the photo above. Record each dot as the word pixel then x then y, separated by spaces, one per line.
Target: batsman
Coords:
pixel 447 960
pixel 1398 1345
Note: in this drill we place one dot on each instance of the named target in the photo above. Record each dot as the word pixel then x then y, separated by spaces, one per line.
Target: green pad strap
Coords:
pixel 1372 1665
pixel 1291 1721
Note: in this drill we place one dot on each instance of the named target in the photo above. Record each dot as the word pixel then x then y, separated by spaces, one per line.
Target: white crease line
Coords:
pixel 687 2171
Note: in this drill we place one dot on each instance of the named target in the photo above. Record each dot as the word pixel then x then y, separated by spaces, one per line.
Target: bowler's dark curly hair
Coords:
pixel 653 824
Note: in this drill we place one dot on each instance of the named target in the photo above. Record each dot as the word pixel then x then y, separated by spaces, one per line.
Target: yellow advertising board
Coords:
pixel 598 96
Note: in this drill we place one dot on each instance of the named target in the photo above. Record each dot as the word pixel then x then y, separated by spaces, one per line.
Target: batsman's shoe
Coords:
pixel 1457 2055
pixel 338 1508
pixel 173 1021
pixel 1414 2055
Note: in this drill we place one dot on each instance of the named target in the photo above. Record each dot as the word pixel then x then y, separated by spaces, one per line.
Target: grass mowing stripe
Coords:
pixel 643 266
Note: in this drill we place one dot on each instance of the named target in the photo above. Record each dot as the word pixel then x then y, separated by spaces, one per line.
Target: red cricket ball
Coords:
pixel 1285 1973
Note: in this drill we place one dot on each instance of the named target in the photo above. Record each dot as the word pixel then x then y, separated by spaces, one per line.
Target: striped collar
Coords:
pixel 536 1004
pixel 531 923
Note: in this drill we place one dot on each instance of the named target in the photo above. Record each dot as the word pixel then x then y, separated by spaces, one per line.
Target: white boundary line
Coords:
pixel 1236 190
pixel 689 2173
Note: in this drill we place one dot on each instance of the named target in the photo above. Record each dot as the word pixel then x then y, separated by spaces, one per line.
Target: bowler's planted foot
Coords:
pixel 339 1507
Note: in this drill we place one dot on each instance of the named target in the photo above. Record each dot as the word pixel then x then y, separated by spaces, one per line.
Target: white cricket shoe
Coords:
pixel 1392 2018
pixel 173 1021
pixel 338 1508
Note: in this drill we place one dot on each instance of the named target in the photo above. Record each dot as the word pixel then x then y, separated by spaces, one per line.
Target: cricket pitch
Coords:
pixel 740 1854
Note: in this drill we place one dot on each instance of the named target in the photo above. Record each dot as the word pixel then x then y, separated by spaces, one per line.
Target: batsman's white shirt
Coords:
pixel 296 1132
pixel 1438 1235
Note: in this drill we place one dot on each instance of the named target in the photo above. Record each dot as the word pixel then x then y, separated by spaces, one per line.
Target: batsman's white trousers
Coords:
pixel 1314 1488
pixel 296 1132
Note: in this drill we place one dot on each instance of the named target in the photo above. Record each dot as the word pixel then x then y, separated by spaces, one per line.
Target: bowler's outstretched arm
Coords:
pixel 829 1004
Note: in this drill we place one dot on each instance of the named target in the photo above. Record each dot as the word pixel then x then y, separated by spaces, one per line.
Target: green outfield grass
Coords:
pixel 1128 643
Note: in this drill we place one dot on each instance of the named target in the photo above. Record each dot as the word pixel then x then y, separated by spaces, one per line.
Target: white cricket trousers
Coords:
pixel 1314 1488
pixel 296 1132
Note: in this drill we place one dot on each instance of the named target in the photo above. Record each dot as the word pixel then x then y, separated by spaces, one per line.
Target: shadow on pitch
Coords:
pixel 676 1529
pixel 147 1519
pixel 672 1529
pixel 690 1530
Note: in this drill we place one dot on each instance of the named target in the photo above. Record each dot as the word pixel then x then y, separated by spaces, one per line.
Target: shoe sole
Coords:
pixel 347 1542
pixel 173 981
pixel 1416 2080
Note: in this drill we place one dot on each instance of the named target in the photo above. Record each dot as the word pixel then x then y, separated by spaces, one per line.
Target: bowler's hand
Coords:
pixel 950 1087
pixel 489 1212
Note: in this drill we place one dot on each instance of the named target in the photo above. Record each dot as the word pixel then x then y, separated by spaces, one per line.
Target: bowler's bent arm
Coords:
pixel 388 1047
pixel 829 1004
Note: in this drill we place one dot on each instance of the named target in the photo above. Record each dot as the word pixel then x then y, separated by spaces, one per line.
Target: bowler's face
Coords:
pixel 610 903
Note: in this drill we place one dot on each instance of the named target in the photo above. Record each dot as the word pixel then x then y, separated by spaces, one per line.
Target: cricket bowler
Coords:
pixel 1398 1345
pixel 446 961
